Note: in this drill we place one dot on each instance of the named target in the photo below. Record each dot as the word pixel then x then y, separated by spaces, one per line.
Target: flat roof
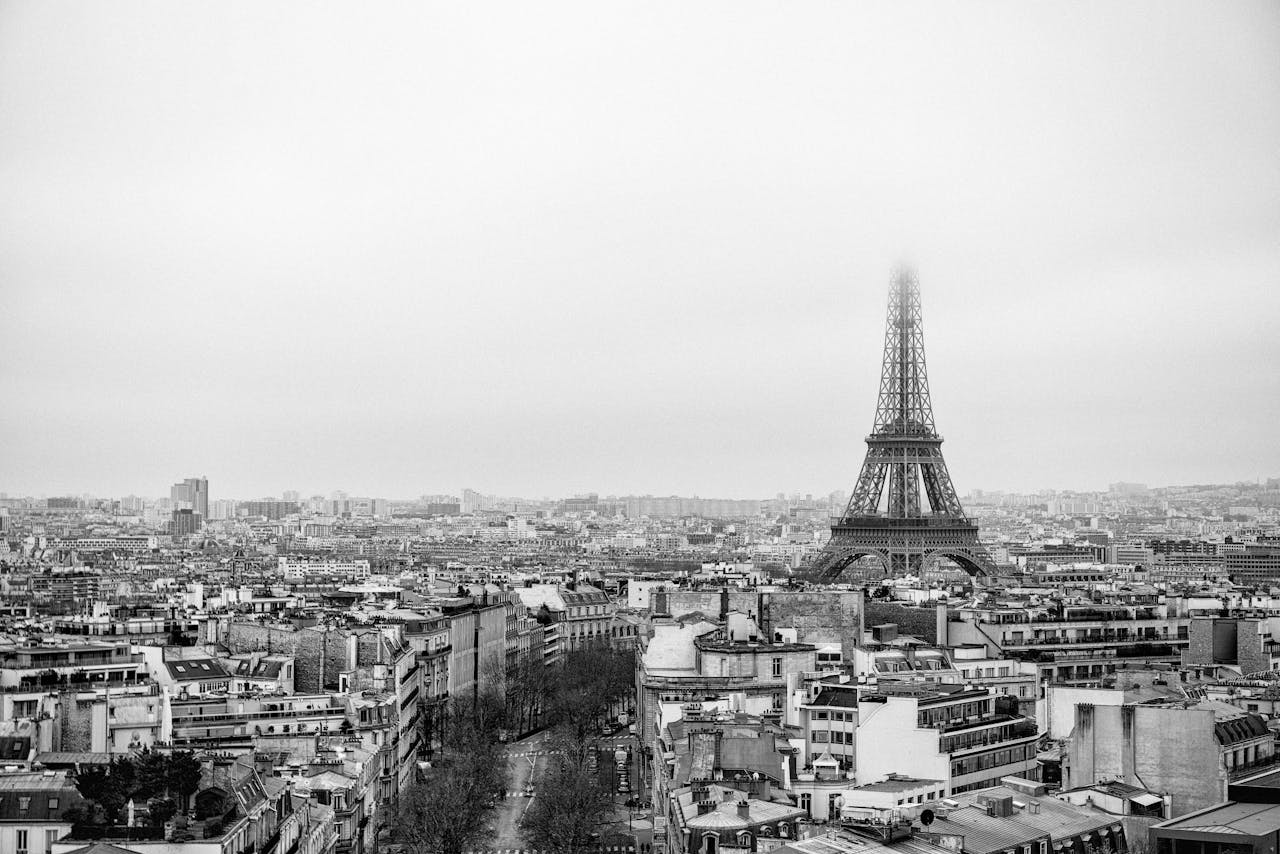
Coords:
pixel 1267 779
pixel 900 784
pixel 1231 817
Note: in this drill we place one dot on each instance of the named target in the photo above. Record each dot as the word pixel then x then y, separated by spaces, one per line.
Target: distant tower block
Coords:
pixel 904 451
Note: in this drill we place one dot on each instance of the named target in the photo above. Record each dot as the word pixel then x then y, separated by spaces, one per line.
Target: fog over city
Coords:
pixel 541 249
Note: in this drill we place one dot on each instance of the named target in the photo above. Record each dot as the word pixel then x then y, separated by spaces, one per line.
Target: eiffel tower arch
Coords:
pixel 904 509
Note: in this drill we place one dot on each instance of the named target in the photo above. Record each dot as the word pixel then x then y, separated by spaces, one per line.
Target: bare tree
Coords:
pixel 572 810
pixel 529 684
pixel 448 811
pixel 589 682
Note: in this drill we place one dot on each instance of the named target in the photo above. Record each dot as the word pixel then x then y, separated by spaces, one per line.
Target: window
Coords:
pixel 24 804
pixel 777 667
pixel 53 804
pixel 22 841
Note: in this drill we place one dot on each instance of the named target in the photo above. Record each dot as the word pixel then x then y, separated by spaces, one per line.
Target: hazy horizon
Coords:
pixel 305 494
pixel 541 250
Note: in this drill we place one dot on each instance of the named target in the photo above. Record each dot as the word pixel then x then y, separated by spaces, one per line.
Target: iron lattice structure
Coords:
pixel 904 451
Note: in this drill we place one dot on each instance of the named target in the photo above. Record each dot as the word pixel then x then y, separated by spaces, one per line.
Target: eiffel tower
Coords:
pixel 905 450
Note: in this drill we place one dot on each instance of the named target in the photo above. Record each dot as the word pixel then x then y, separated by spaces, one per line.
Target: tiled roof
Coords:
pixel 71 757
pixel 726 817
pixel 1240 729
pixel 14 747
pixel 194 669
pixel 836 697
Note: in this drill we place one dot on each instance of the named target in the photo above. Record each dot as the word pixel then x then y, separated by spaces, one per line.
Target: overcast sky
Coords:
pixel 546 248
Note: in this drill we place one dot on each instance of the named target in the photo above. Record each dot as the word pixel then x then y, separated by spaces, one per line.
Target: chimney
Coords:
pixel 724 604
pixel 353 651
pixel 744 810
pixel 941 624
pixel 702 797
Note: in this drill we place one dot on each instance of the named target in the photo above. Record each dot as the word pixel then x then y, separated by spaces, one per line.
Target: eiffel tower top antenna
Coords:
pixel 904 406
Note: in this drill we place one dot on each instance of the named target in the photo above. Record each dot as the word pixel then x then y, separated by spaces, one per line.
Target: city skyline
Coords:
pixel 509 428
pixel 789 494
pixel 654 262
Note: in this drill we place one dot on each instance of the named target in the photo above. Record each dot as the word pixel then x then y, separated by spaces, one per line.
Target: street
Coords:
pixel 526 760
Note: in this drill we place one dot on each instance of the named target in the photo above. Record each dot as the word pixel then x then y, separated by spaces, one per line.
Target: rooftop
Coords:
pixel 1230 818
pixel 896 784
pixel 844 842
pixel 982 832
pixel 846 698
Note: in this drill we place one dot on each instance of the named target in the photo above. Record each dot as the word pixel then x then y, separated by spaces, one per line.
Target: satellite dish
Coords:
pixel 926 817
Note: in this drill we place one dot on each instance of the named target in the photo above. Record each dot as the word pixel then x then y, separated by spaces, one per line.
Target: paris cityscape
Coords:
pixel 602 428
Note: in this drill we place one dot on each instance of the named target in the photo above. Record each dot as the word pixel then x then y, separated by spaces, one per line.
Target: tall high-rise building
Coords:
pixel 185 522
pixel 472 502
pixel 193 494
pixel 223 508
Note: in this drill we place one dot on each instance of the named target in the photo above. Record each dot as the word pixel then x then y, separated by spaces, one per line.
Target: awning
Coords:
pixel 1147 800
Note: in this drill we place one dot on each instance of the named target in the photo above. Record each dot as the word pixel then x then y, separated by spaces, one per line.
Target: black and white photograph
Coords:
pixel 490 427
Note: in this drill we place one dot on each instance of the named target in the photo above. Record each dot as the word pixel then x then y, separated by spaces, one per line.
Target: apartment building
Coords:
pixel 33 805
pixel 584 612
pixel 1190 752
pixel 1250 643
pixel 1071 643
pixel 231 723
pixel 965 737
pixel 829 722
pixel 700 660
pixel 28 665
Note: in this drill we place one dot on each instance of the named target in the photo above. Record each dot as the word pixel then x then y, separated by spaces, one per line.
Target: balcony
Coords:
pixel 1008 730
pixel 980 722
pixel 1095 640
pixel 306 715
pixel 1250 768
